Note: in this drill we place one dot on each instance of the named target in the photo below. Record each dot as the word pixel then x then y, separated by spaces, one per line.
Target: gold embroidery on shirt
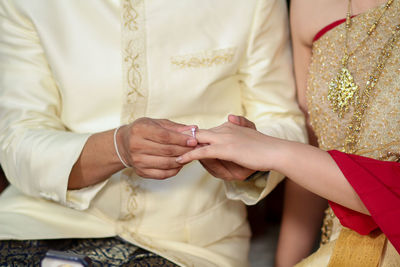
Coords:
pixel 148 243
pixel 134 60
pixel 131 193
pixel 134 77
pixel 134 71
pixel 129 16
pixel 204 59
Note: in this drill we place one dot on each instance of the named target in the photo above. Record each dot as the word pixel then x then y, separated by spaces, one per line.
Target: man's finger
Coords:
pixel 205 166
pixel 215 167
pixel 154 162
pixel 177 127
pixel 241 121
pixel 164 136
pixel 236 172
pixel 151 148
pixel 157 173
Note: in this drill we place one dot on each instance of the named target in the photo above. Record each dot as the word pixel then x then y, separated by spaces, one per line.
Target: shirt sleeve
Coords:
pixel 37 151
pixel 268 91
pixel 377 183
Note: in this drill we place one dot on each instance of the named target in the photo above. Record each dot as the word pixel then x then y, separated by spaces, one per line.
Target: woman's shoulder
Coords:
pixel 308 17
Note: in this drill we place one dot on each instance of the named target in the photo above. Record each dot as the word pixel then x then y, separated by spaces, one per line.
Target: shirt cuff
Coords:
pixel 80 199
pixel 253 190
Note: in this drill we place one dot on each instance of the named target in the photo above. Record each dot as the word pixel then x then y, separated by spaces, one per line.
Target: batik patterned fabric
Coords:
pixel 102 252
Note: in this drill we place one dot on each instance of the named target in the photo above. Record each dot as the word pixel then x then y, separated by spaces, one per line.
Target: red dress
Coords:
pixel 377 183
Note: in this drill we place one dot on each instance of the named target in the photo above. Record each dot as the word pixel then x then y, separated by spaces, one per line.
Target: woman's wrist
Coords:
pixel 282 155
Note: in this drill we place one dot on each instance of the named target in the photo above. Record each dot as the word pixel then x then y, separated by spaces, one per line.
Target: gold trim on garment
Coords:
pixel 204 59
pixel 134 71
pixel 134 63
pixel 353 249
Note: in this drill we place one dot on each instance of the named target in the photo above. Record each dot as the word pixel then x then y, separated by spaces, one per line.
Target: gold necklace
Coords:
pixel 362 102
pixel 342 88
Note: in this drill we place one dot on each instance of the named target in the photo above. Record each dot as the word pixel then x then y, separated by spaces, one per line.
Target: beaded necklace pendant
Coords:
pixel 341 91
pixel 342 88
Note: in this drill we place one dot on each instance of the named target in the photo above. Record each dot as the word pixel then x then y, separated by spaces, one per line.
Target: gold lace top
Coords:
pixel 380 133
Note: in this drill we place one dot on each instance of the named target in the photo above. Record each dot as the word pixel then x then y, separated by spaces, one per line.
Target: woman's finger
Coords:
pixel 206 136
pixel 205 152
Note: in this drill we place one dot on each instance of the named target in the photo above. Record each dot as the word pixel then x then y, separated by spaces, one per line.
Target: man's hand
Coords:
pixel 225 169
pixel 151 146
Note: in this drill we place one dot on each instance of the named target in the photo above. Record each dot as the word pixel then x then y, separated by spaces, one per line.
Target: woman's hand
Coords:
pixel 229 170
pixel 244 146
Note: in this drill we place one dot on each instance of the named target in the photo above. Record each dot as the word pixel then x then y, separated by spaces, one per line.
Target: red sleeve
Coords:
pixel 377 183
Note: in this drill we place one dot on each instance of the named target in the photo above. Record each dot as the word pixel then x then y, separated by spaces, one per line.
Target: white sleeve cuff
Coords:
pixel 250 192
pixel 80 199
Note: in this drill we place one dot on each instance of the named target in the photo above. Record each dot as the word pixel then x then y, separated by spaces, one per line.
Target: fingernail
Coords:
pixel 234 118
pixel 191 142
pixel 178 159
